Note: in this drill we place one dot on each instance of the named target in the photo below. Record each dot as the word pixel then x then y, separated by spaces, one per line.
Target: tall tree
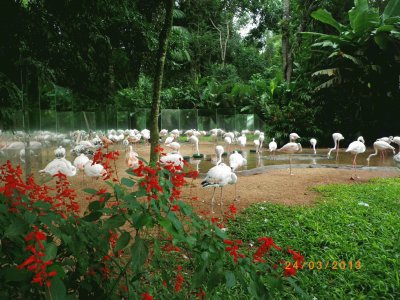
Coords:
pixel 286 52
pixel 158 78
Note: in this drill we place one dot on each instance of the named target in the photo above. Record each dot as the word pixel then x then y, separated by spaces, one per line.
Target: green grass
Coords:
pixel 337 228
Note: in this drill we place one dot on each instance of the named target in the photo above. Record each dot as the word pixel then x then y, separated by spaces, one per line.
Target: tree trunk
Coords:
pixel 158 76
pixel 286 55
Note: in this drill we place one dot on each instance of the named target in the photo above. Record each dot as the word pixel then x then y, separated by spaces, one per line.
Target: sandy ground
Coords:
pixel 271 185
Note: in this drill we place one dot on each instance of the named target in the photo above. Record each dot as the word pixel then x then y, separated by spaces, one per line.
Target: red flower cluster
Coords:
pixel 233 249
pixel 105 159
pixel 267 243
pixel 35 263
pixel 298 258
pixel 146 296
pixel 179 280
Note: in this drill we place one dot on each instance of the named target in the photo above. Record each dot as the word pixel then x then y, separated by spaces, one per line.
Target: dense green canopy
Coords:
pixel 343 57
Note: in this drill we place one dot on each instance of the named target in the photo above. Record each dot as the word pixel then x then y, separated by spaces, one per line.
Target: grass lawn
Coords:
pixel 349 223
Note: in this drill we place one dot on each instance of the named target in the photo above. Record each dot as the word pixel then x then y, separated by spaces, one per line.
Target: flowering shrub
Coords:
pixel 137 239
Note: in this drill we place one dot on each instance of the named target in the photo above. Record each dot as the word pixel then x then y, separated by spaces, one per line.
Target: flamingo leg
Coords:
pixel 290 164
pixel 337 151
pixel 212 201
pixel 222 205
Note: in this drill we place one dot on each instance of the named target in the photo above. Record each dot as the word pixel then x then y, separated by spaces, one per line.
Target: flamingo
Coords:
pixel 219 150
pixel 175 146
pixel 60 152
pixel 380 146
pixel 257 144
pixel 80 161
pixel 59 165
pixel 396 140
pixel 173 158
pixel 131 158
pixel 293 137
pixel 228 140
pixel 313 143
pixel 337 137
pixel 386 139
pixel 273 146
pixel 22 155
pixel 169 139
pixel 219 176
pixel 194 140
pixel 242 140
pixel 236 160
pixel 261 141
pixel 94 170
pixel 291 148
pixel 356 147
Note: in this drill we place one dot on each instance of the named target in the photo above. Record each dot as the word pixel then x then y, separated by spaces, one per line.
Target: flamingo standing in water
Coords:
pixel 290 148
pixel 261 138
pixel 337 137
pixel 219 150
pixel 380 146
pixel 273 146
pixel 219 176
pixel 313 143
pixel 356 147
pixel 194 140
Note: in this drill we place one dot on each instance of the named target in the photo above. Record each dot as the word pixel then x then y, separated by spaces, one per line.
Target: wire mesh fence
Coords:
pixel 201 119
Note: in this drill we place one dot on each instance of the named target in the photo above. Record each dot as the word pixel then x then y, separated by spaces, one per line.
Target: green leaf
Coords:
pixel 385 28
pixel 29 217
pixel 123 241
pixel 127 182
pixel 392 9
pixel 93 216
pixel 139 253
pixel 14 274
pixel 175 221
pixel 57 289
pixel 42 205
pixel 362 19
pixel 51 251
pixel 325 16
pixel 167 225
pixel 230 279
pixel 16 228
pixel 142 219
pixel 90 191
pixel 115 221
pixel 60 271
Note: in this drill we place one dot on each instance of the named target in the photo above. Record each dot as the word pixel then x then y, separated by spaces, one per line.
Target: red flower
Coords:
pixel 146 296
pixel 290 271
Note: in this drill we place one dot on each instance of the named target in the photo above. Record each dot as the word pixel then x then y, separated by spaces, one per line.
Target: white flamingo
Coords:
pixel 236 160
pixel 132 159
pixel 194 140
pixel 173 158
pixel 257 144
pixel 313 143
pixel 272 146
pixel 337 137
pixel 60 152
pixel 293 137
pixel 290 148
pixel 59 165
pixel 356 147
pixel 175 146
pixel 94 170
pixel 219 150
pixel 219 176
pixel 380 146
pixel 261 141
pixel 242 140
pixel 228 140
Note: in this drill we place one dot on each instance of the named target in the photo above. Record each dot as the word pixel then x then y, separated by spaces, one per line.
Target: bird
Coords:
pixel 290 148
pixel 386 139
pixel 219 150
pixel 293 137
pixel 261 138
pixel 59 165
pixel 60 152
pixel 228 140
pixel 219 176
pixel 257 144
pixel 22 154
pixel 313 143
pixel 175 146
pixel 236 160
pixel 380 146
pixel 194 140
pixel 132 159
pixel 396 140
pixel 337 137
pixel 80 161
pixel 173 158
pixel 242 140
pixel 94 170
pixel 273 146
pixel 169 139
pixel 356 147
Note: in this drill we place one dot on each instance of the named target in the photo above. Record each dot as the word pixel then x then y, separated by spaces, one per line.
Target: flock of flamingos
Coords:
pixel 83 146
